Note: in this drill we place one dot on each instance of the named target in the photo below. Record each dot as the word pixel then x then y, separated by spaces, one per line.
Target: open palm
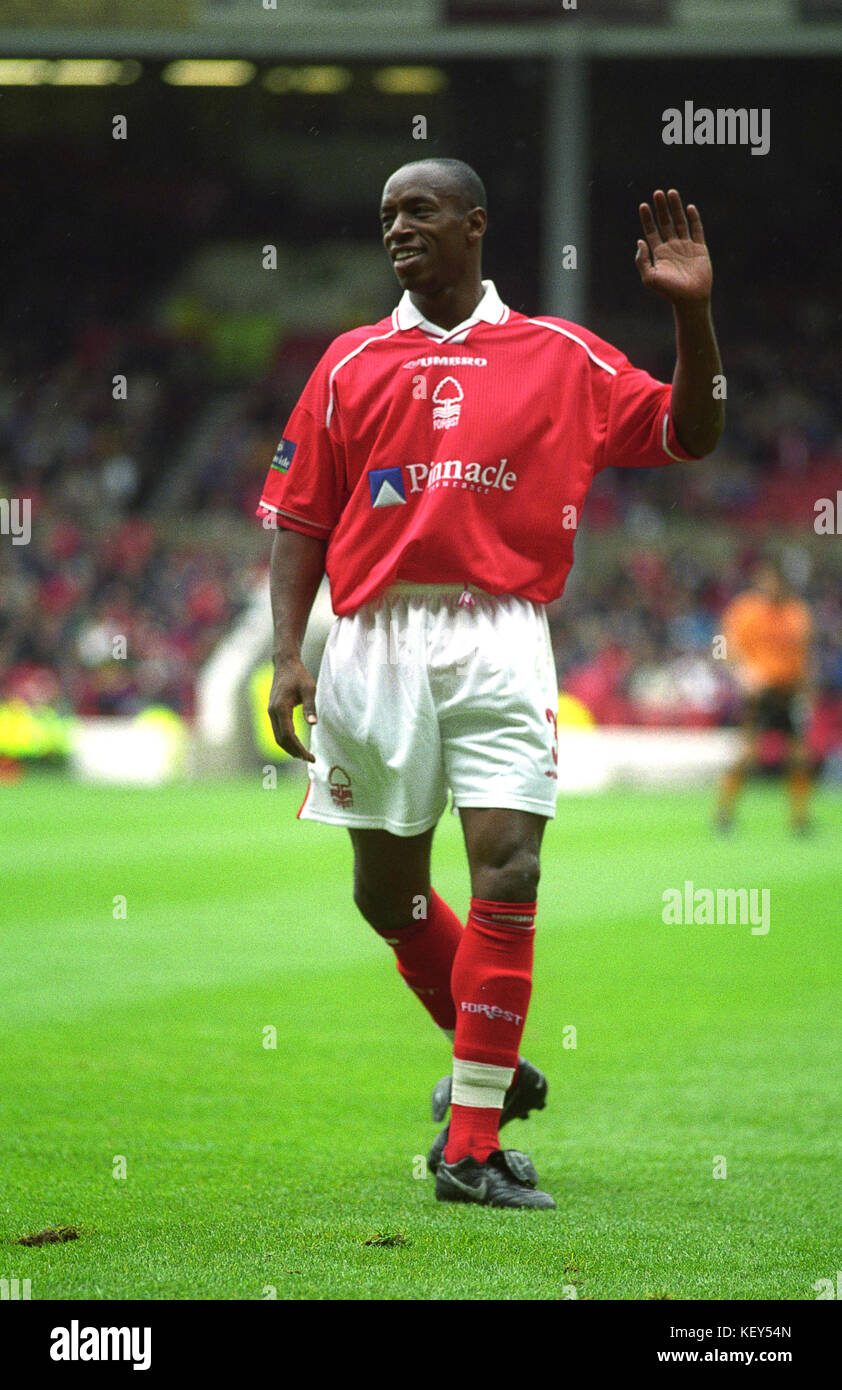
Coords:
pixel 673 260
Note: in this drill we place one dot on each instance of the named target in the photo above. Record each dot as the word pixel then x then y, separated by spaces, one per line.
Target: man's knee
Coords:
pixel 385 908
pixel 510 877
pixel 391 878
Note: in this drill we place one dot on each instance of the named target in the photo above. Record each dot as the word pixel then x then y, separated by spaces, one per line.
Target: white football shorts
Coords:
pixel 430 688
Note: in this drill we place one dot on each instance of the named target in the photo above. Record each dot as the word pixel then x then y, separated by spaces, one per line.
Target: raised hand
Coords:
pixel 674 260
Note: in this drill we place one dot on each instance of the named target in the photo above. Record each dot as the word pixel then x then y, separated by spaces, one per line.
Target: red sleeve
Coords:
pixel 305 486
pixel 639 431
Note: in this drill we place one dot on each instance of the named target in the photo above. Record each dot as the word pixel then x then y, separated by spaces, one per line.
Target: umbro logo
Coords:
pixel 437 361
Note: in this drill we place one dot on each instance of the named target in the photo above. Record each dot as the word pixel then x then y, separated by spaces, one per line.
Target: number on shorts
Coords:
pixel 552 718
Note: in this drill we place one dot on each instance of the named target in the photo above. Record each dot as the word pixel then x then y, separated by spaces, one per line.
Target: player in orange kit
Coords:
pixel 767 633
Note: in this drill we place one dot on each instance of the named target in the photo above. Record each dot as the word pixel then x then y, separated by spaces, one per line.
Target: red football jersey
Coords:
pixel 460 456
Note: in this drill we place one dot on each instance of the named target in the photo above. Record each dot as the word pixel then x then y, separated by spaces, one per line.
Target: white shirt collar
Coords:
pixel 490 309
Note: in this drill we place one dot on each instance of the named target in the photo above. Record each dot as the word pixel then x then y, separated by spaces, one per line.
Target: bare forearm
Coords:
pixel 698 413
pixel 295 573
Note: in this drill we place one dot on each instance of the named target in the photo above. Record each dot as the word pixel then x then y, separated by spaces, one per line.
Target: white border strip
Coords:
pixel 478 1084
pixel 378 338
pixel 679 458
pixel 556 328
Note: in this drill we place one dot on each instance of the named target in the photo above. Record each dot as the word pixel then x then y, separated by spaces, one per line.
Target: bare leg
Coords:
pixel 393 892
pixel 390 873
pixel 799 782
pixel 504 849
pixel 732 781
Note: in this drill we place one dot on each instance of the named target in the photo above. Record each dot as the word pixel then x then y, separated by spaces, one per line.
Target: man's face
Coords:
pixel 426 230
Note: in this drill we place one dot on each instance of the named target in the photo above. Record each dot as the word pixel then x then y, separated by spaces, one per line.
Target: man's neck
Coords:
pixel 451 306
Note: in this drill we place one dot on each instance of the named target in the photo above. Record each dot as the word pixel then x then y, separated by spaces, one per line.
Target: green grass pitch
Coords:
pixel 252 1169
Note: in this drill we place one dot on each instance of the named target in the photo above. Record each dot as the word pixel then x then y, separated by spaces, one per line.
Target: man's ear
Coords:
pixel 477 223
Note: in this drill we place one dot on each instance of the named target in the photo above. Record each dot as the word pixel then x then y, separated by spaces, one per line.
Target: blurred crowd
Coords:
pixel 111 608
pixel 110 618
pixel 638 640
pixel 105 611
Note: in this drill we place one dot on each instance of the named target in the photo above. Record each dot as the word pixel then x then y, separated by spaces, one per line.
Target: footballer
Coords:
pixel 435 467
pixel 767 633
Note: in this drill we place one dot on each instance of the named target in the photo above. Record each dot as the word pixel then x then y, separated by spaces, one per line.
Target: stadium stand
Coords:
pixel 118 551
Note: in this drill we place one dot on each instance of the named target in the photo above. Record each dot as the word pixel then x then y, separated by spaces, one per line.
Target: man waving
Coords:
pixel 436 466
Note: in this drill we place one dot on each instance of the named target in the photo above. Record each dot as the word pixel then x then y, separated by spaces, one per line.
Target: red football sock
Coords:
pixel 491 985
pixel 425 953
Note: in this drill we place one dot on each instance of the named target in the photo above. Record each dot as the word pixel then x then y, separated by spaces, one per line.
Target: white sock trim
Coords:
pixel 480 1085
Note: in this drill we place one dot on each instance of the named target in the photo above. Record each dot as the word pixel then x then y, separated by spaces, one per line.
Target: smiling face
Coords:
pixel 432 237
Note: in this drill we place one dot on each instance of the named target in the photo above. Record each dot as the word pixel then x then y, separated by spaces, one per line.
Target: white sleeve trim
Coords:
pixel 556 328
pixel 377 338
pixel 679 458
pixel 293 516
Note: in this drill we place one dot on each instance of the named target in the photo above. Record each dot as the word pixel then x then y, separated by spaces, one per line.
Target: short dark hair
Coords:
pixel 465 180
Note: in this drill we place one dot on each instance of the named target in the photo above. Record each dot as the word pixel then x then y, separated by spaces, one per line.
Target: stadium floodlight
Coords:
pixel 210 72
pixel 410 81
pixel 322 80
pixel 68 72
pixel 92 72
pixel 23 72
